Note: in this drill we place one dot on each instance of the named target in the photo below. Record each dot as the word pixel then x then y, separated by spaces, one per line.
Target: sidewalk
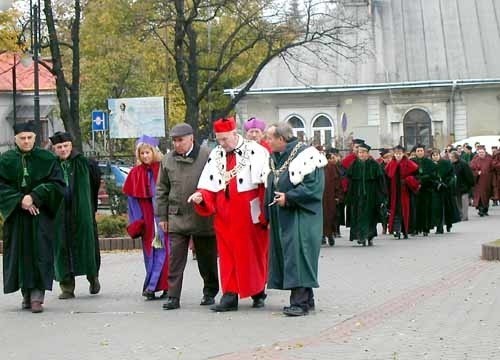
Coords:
pixel 422 298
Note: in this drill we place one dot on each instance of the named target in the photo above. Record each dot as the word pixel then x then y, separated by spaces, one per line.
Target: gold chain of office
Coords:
pixel 284 167
pixel 241 163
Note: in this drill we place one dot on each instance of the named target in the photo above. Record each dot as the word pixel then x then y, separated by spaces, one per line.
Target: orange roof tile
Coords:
pixel 24 75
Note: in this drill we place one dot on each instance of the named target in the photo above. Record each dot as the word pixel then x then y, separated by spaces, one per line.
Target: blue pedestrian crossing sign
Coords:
pixel 99 120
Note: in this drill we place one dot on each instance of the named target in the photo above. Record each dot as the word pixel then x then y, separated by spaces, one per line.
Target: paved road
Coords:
pixel 422 298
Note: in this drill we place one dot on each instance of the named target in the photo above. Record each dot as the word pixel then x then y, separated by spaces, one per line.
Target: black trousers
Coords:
pixel 206 256
pixel 303 297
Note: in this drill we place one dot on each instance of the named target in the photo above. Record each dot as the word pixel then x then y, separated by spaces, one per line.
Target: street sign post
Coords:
pixel 99 120
pixel 99 123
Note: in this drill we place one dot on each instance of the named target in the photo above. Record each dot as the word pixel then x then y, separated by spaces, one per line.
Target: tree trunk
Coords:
pixel 68 108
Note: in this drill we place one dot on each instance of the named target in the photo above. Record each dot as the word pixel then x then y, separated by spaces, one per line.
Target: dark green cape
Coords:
pixel 296 229
pixel 444 208
pixel 76 246
pixel 365 196
pixel 427 175
pixel 28 259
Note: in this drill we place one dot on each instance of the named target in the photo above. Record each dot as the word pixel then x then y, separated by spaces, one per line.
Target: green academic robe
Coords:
pixel 427 175
pixel 295 229
pixel 444 208
pixel 365 196
pixel 28 258
pixel 77 247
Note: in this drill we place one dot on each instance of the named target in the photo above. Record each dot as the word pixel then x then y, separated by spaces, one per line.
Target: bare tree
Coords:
pixel 264 29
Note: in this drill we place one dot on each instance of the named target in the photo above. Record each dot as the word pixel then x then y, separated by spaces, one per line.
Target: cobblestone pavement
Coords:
pixel 422 298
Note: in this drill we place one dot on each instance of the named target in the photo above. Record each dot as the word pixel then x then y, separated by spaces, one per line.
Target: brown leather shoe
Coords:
pixel 36 307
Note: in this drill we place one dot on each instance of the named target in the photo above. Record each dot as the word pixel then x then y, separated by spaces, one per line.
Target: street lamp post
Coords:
pixel 35 49
pixel 35 46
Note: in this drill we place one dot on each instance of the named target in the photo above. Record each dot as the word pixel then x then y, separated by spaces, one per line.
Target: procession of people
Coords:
pixel 257 208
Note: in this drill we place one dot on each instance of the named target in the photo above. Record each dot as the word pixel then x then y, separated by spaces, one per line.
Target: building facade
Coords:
pixel 17 100
pixel 431 76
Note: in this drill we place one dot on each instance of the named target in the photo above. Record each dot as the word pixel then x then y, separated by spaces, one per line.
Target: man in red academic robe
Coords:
pixel 482 168
pixel 231 188
pixel 400 172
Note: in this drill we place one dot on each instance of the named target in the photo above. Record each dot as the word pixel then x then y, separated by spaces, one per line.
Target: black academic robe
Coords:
pixel 365 197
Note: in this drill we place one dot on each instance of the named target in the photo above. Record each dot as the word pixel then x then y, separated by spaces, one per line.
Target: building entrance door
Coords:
pixel 417 129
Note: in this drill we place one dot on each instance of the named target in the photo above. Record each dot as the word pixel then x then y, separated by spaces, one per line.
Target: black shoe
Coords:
pixel 224 307
pixel 294 310
pixel 149 295
pixel 405 236
pixel 312 304
pixel 95 286
pixel 258 299
pixel 370 242
pixel 228 302
pixel 362 242
pixel 172 304
pixel 426 233
pixel 207 300
pixel 448 228
pixel 439 231
pixel 331 240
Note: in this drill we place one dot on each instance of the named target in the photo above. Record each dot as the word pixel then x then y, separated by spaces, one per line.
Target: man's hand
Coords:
pixel 196 197
pixel 280 198
pixel 27 202
pixel 164 226
pixel 34 210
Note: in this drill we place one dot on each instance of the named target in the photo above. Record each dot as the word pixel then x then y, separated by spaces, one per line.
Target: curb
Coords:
pixel 111 244
pixel 490 251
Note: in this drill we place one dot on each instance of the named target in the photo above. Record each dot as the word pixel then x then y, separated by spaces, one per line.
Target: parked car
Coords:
pixel 114 173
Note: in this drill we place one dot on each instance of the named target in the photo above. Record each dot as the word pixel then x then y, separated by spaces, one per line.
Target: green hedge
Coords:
pixel 107 226
pixel 112 226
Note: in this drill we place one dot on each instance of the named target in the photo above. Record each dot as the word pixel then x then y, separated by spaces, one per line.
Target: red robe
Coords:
pixel 408 182
pixel 496 175
pixel 242 245
pixel 266 145
pixel 346 164
pixel 484 182
pixel 332 195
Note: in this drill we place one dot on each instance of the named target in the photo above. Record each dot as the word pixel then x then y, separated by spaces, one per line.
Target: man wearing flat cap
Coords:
pixel 366 194
pixel 77 244
pixel 31 189
pixel 179 174
pixel 231 188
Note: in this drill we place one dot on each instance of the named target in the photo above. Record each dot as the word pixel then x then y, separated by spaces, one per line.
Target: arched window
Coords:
pixel 323 131
pixel 298 127
pixel 417 128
